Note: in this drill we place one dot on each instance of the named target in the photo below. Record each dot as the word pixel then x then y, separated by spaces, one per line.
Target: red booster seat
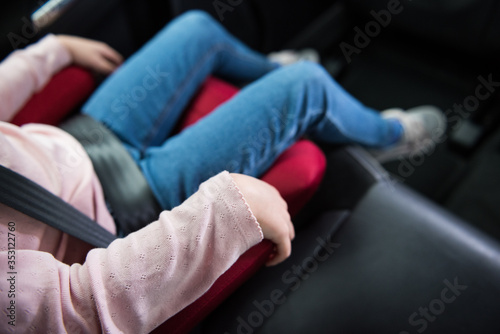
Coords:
pixel 296 174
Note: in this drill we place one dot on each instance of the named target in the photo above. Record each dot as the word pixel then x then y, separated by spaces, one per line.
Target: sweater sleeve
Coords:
pixel 139 281
pixel 26 71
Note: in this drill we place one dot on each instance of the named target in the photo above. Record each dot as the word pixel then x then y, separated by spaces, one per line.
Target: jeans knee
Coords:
pixel 309 70
pixel 305 72
pixel 194 25
pixel 196 17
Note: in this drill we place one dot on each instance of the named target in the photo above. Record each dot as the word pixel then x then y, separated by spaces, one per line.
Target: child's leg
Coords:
pixel 247 133
pixel 141 102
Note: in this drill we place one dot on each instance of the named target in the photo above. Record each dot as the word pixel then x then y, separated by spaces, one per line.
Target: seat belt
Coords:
pixel 26 196
pixel 130 199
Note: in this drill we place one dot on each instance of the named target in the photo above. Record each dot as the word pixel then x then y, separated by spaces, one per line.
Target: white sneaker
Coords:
pixel 287 57
pixel 422 126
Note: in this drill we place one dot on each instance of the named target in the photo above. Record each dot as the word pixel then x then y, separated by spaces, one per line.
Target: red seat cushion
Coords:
pixel 296 174
pixel 211 93
pixel 64 92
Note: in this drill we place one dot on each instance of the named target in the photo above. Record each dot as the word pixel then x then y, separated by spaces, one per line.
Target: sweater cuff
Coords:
pixel 249 226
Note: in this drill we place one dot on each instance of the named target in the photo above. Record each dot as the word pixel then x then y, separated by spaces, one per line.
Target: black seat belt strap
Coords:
pixel 130 199
pixel 24 195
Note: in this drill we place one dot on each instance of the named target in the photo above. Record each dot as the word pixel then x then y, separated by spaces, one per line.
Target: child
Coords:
pixel 143 279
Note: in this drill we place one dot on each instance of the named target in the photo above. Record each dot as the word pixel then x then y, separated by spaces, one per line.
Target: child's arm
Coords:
pixel 24 72
pixel 140 281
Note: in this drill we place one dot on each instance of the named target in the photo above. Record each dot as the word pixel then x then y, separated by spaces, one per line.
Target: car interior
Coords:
pixel 408 246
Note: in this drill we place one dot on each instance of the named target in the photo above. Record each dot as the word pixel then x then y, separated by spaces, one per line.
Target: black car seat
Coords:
pixel 378 250
pixel 376 257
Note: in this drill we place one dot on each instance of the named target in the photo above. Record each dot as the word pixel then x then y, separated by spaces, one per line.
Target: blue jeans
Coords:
pixel 141 103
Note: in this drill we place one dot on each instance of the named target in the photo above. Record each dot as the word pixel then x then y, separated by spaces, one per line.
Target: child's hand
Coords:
pixel 271 212
pixel 91 54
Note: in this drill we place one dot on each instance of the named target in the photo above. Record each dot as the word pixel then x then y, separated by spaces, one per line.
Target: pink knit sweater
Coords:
pixel 56 283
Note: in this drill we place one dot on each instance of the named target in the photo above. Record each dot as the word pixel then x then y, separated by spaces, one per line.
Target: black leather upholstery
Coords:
pixel 395 263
